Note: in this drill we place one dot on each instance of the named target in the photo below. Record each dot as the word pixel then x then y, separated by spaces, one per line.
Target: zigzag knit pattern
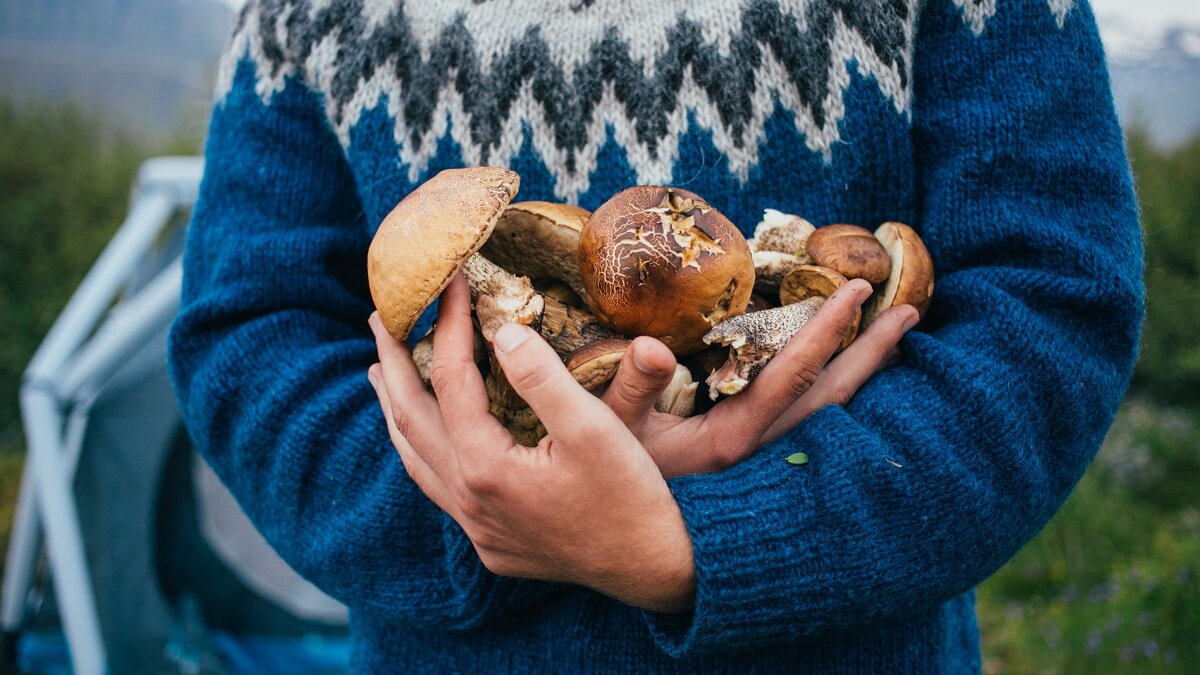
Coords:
pixel 487 70
pixel 988 125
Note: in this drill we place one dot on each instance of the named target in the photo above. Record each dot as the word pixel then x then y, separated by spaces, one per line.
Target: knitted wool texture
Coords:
pixel 988 126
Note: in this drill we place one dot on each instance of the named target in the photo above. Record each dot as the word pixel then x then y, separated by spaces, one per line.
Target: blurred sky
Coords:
pixel 1149 15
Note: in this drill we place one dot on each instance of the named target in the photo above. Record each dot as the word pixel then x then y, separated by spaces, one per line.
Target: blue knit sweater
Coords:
pixel 987 125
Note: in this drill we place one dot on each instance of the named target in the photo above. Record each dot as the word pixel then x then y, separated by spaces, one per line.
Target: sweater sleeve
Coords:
pixel 269 355
pixel 940 469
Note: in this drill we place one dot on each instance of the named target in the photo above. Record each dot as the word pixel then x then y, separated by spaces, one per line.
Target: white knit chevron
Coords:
pixel 495 25
pixel 976 13
pixel 570 36
pixel 1060 9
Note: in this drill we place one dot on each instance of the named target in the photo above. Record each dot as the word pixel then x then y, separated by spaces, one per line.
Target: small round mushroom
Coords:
pixel 814 281
pixel 850 250
pixel 661 261
pixel 595 365
pixel 782 233
pixel 911 278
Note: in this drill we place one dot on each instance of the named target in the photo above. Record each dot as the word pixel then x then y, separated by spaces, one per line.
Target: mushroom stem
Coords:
pixel 502 297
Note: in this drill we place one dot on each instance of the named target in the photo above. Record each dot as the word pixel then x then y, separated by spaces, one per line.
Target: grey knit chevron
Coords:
pixel 567 72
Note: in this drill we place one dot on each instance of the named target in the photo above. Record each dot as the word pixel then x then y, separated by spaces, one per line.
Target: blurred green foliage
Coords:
pixel 1112 585
pixel 1169 192
pixel 65 181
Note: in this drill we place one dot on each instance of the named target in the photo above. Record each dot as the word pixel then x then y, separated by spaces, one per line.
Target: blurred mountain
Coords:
pixel 1155 77
pixel 149 64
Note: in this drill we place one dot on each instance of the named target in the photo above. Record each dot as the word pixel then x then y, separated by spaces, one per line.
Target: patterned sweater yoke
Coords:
pixel 986 124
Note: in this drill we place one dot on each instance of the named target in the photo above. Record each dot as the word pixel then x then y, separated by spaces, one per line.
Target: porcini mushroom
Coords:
pixel 782 233
pixel 430 234
pixel 814 281
pixel 753 340
pixel 661 261
pixel 539 240
pixel 778 248
pixel 435 232
pixel 851 250
pixel 595 365
pixel 911 278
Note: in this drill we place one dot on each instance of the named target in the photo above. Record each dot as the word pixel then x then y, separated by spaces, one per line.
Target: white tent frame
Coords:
pixel 102 327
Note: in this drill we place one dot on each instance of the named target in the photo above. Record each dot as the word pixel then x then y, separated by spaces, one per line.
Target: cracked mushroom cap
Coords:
pixel 429 235
pixel 661 261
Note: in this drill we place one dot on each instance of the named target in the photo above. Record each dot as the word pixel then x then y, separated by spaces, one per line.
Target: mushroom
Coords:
pixel 814 281
pixel 778 248
pixel 753 340
pixel 782 233
pixel 595 365
pixel 435 232
pixel 661 261
pixel 851 250
pixel 539 240
pixel 911 278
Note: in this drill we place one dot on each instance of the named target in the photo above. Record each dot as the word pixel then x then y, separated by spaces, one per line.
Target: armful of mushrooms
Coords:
pixel 658 261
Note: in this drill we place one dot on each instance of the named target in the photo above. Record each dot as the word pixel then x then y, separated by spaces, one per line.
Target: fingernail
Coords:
pixel 912 318
pixel 857 287
pixel 373 322
pixel 639 360
pixel 372 377
pixel 510 336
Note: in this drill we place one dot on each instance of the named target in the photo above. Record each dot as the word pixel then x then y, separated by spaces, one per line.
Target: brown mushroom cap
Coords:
pixel 428 235
pixel 911 279
pixel 538 240
pixel 661 261
pixel 814 281
pixel 850 250
pixel 594 365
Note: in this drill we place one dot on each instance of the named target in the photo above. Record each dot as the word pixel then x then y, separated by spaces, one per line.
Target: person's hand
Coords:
pixel 794 384
pixel 586 506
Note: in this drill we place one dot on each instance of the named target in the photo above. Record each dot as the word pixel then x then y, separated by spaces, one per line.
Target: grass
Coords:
pixel 12 461
pixel 1112 585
